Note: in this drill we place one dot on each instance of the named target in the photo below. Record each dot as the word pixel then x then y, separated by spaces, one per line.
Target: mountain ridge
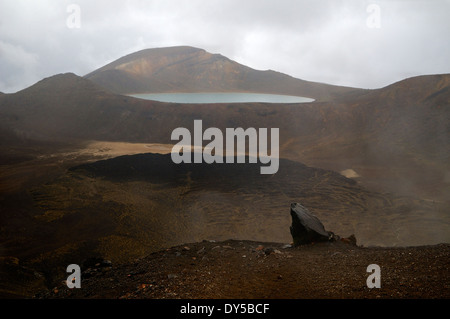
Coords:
pixel 189 69
pixel 382 129
pixel 71 102
pixel 69 106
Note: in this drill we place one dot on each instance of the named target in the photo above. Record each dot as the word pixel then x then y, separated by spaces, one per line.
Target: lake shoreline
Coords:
pixel 221 97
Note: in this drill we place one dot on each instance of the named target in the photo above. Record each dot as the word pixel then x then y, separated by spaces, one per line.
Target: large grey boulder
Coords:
pixel 306 228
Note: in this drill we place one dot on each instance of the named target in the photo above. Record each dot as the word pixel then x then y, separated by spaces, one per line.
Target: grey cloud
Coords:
pixel 326 41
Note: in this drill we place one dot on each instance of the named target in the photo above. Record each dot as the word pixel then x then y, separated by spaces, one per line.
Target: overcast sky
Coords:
pixel 366 44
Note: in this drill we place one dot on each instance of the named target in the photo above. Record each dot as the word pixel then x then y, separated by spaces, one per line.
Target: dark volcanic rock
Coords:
pixel 306 227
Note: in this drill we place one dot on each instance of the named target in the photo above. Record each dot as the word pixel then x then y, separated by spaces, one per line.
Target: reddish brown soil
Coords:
pixel 254 270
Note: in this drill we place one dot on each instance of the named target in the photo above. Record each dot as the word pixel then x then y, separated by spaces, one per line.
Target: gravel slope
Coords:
pixel 255 270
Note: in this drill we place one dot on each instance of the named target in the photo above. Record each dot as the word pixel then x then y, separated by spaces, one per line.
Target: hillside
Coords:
pixel 67 192
pixel 396 138
pixel 65 107
pixel 127 207
pixel 69 106
pixel 188 69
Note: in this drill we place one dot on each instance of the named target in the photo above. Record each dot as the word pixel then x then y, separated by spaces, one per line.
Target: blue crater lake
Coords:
pixel 205 98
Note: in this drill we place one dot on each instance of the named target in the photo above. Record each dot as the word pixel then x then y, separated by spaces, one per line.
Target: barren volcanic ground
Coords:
pixel 68 206
pixel 79 179
pixel 262 270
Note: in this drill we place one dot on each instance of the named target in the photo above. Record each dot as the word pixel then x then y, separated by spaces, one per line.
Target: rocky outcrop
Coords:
pixel 306 227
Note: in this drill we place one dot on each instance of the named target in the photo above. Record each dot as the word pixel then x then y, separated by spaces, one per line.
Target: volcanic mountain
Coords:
pixel 188 69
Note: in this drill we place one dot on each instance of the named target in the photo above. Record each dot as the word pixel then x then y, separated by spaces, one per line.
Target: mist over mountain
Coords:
pixel 188 69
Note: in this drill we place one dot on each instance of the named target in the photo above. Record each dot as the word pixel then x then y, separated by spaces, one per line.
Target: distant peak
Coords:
pixel 61 77
pixel 64 75
pixel 180 47
pixel 431 80
pixel 168 50
pixel 64 81
pixel 190 69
